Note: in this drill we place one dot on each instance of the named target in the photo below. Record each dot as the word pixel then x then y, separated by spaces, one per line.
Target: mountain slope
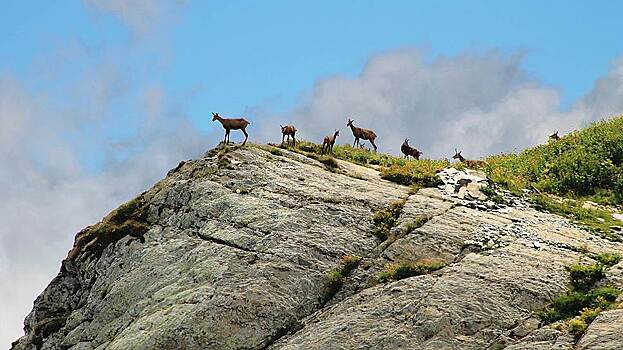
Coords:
pixel 251 248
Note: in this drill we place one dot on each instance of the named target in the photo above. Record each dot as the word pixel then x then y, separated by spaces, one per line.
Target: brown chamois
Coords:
pixel 554 136
pixel 361 133
pixel 232 124
pixel 288 130
pixel 409 151
pixel 329 141
pixel 468 163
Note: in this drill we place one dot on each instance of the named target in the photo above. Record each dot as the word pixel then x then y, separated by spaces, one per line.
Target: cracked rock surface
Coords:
pixel 239 244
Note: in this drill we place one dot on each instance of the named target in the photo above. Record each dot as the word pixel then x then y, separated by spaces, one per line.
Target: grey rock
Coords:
pixel 604 333
pixel 233 251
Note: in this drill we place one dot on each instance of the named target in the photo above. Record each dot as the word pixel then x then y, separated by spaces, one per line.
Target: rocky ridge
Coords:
pixel 234 250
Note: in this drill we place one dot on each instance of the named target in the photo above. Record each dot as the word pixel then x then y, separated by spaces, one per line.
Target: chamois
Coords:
pixel 288 130
pixel 409 151
pixel 469 163
pixel 361 133
pixel 329 141
pixel 554 136
pixel 232 124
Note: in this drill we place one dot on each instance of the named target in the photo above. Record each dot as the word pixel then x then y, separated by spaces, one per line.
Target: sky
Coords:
pixel 99 99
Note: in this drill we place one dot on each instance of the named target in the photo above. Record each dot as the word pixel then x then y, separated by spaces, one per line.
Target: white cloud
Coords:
pixel 48 195
pixel 141 16
pixel 483 103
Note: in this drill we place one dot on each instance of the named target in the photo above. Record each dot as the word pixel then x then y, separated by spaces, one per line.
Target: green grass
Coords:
pixel 417 223
pixel 385 219
pixel 492 194
pixel 586 163
pixel 398 271
pixel 607 259
pixel 337 277
pixel 417 173
pixel 596 220
pixel 583 303
pixel 579 324
pixel 570 304
pixel 583 277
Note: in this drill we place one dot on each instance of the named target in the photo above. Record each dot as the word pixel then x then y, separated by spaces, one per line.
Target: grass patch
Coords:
pixel 607 259
pixel 275 151
pixel 337 277
pixel 418 173
pixel 580 306
pixel 398 271
pixel 492 195
pixel 570 304
pixel 328 161
pixel 421 173
pixel 385 219
pixel 129 219
pixel 596 220
pixel 579 324
pixel 417 223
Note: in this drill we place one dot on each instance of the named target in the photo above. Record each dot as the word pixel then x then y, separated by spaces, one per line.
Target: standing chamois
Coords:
pixel 329 141
pixel 554 136
pixel 232 124
pixel 409 151
pixel 361 133
pixel 288 130
pixel 468 163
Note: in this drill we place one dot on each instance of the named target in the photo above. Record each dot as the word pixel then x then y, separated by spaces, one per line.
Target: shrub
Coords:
pixel 570 304
pixel 588 162
pixel 584 277
pixel 577 327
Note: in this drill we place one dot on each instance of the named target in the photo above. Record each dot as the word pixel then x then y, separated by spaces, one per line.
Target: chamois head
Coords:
pixel 336 133
pixel 406 142
pixel 554 136
pixel 457 154
pixel 215 116
pixel 283 128
pixel 350 122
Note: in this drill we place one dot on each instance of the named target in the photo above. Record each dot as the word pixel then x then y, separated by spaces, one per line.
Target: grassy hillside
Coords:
pixel 416 173
pixel 561 175
pixel 586 164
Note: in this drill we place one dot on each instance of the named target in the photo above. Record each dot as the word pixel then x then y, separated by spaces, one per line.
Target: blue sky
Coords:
pixel 99 98
pixel 245 53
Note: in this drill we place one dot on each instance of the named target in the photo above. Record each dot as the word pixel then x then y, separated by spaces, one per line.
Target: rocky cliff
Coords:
pixel 259 248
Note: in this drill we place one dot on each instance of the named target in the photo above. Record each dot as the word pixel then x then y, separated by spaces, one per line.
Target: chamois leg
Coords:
pixel 356 142
pixel 293 141
pixel 373 145
pixel 283 137
pixel 225 137
pixel 246 136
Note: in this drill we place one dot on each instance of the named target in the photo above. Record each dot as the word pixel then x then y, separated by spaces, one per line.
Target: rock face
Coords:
pixel 233 251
